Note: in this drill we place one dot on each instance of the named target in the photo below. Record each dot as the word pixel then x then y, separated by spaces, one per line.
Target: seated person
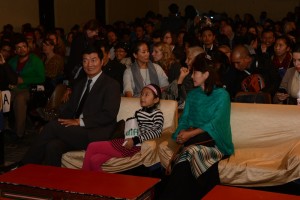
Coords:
pixel 282 58
pixel 208 37
pixel 289 89
pixel 251 73
pixel 31 71
pixel 163 56
pixel 54 66
pixel 112 68
pixel 180 87
pixel 122 54
pixel 206 136
pixel 142 72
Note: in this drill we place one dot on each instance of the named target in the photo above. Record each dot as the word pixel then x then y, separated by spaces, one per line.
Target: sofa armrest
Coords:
pixel 73 159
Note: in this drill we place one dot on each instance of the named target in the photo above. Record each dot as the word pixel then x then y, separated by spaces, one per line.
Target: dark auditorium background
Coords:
pixel 66 13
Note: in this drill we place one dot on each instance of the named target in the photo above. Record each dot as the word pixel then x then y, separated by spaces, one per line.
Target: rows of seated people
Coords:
pixel 252 56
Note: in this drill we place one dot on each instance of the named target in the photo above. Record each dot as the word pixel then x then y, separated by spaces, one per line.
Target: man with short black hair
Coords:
pixel 90 115
pixel 30 70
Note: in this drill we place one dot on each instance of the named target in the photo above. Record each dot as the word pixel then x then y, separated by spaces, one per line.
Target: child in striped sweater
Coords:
pixel 150 121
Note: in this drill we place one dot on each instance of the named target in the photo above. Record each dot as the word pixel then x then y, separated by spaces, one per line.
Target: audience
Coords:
pixel 238 54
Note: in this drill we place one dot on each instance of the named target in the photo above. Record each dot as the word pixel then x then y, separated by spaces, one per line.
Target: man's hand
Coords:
pixel 69 122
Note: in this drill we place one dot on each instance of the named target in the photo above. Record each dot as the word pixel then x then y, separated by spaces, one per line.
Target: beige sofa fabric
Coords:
pixel 148 154
pixel 267 145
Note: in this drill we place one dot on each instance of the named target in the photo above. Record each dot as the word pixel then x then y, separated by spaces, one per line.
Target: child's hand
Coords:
pixel 129 144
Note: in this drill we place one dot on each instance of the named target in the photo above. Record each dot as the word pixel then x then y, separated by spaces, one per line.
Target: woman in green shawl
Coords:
pixel 206 120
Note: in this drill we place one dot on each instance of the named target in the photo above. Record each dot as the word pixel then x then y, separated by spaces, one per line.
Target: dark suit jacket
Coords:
pixel 100 109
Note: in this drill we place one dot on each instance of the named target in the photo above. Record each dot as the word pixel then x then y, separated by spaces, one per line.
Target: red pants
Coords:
pixel 98 153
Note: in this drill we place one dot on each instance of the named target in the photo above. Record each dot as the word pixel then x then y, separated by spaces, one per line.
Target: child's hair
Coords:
pixel 155 90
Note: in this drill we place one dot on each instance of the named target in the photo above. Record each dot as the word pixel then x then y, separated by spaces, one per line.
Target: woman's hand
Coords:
pixel 69 122
pixel 183 73
pixel 184 136
pixel 282 96
pixel 129 143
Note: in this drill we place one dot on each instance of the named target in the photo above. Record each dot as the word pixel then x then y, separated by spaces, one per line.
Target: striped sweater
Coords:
pixel 150 121
pixel 150 124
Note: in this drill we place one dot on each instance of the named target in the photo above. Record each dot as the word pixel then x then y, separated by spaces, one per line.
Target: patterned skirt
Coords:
pixel 117 144
pixel 200 158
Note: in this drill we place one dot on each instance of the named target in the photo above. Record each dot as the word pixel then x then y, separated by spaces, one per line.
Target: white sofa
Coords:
pixel 148 155
pixel 266 138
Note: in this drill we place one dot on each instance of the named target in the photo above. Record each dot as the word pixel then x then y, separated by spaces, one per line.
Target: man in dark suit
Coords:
pixel 80 123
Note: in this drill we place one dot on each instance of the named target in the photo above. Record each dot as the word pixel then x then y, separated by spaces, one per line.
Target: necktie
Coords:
pixel 84 97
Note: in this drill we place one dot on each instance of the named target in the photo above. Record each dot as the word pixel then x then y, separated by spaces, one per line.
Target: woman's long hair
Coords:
pixel 168 57
pixel 203 63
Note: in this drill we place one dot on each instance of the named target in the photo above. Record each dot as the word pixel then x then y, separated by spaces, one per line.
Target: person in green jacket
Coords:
pixel 31 71
pixel 205 132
